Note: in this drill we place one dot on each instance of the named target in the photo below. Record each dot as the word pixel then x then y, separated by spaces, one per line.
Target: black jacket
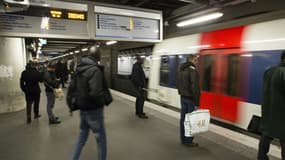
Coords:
pixel 29 81
pixel 50 81
pixel 188 82
pixel 138 76
pixel 90 84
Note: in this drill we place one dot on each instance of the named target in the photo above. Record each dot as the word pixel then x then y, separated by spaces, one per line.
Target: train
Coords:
pixel 232 62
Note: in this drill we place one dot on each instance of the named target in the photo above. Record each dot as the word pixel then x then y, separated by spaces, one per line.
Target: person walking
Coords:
pixel 51 83
pixel 273 109
pixel 29 82
pixel 139 81
pixel 189 90
pixel 90 87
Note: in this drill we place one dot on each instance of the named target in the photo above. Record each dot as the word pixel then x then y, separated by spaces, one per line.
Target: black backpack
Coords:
pixel 76 96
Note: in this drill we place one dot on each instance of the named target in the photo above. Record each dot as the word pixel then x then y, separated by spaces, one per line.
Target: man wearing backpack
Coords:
pixel 89 88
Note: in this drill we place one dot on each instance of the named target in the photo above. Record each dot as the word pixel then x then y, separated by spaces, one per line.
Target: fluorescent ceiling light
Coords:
pixel 84 49
pixel 71 53
pixel 200 19
pixel 77 51
pixel 111 42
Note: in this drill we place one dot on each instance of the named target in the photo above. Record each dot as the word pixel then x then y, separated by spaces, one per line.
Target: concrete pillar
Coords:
pixel 12 63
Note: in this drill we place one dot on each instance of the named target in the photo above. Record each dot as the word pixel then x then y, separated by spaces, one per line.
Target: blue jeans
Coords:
pixel 187 106
pixel 50 105
pixel 93 120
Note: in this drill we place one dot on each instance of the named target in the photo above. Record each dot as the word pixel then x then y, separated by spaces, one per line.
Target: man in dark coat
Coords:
pixel 61 72
pixel 29 83
pixel 273 109
pixel 139 81
pixel 51 83
pixel 189 90
pixel 90 82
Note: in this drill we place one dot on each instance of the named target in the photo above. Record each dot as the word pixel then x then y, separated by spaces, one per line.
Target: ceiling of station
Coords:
pixel 175 11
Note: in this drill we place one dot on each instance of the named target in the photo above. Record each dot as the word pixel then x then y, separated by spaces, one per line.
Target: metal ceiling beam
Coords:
pixel 141 3
pixel 124 1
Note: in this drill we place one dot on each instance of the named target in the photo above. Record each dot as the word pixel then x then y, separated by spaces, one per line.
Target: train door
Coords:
pixel 220 81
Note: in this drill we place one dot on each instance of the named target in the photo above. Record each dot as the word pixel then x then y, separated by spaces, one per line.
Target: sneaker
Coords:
pixel 29 120
pixel 191 144
pixel 56 121
pixel 37 116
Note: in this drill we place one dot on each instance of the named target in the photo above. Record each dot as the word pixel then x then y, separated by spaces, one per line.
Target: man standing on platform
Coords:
pixel 273 109
pixel 29 83
pixel 139 81
pixel 189 90
pixel 51 83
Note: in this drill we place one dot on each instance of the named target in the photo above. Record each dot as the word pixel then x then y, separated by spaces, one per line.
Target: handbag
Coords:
pixel 196 122
pixel 58 93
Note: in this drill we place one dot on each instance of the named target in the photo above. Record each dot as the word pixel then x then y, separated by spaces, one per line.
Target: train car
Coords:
pixel 231 66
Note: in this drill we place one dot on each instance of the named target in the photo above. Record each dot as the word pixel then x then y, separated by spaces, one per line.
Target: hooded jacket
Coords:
pixel 90 84
pixel 188 82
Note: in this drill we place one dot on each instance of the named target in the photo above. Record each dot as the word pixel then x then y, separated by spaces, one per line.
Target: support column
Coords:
pixel 12 63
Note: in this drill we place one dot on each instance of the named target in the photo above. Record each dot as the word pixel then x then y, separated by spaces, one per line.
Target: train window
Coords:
pixel 172 71
pixel 233 74
pixel 164 71
pixel 168 71
pixel 182 59
pixel 206 71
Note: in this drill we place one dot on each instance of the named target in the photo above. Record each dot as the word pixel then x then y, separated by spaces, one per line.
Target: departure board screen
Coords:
pixel 38 20
pixel 125 27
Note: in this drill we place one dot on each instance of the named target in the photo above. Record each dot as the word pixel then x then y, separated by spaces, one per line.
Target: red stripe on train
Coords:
pixel 220 106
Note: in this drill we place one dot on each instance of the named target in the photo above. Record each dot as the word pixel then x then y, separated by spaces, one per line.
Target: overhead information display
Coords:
pixel 123 27
pixel 46 21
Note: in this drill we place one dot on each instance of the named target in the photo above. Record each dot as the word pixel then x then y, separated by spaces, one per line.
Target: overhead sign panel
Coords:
pixel 127 25
pixel 46 21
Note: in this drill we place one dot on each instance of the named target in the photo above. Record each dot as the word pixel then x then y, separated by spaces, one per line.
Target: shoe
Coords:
pixel 191 144
pixel 29 120
pixel 143 116
pixel 140 114
pixel 37 116
pixel 55 121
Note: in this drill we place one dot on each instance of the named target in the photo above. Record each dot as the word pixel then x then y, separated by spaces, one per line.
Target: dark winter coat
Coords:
pixel 273 105
pixel 50 81
pixel 61 70
pixel 138 76
pixel 30 79
pixel 188 82
pixel 90 84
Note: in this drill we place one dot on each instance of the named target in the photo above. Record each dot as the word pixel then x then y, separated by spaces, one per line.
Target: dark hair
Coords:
pixel 96 54
pixel 283 56
pixel 138 57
